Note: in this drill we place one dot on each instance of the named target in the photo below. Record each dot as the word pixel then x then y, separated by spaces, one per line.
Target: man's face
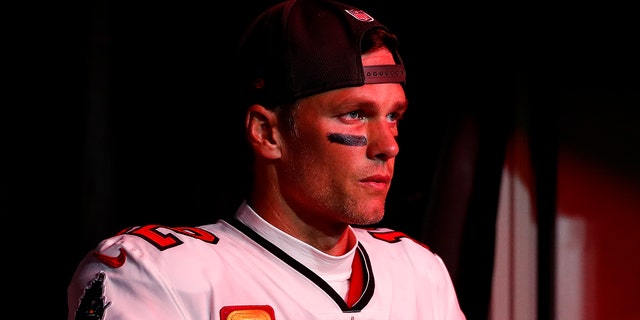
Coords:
pixel 337 166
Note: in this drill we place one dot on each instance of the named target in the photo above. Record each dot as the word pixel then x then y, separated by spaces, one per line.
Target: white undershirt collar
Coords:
pixel 330 268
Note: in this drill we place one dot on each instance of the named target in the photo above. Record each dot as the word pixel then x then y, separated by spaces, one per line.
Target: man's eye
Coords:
pixel 394 116
pixel 353 115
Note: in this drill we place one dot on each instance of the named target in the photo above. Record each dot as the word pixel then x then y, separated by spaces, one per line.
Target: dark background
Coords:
pixel 123 114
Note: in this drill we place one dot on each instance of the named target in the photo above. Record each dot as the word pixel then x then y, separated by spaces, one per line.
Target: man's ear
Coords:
pixel 262 131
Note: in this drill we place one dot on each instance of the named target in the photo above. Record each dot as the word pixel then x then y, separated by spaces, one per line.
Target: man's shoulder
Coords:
pixel 154 241
pixel 393 247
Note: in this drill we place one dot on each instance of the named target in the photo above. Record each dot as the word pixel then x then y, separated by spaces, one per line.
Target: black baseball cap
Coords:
pixel 298 48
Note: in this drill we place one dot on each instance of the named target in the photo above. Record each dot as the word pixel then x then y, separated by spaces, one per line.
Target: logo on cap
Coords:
pixel 359 14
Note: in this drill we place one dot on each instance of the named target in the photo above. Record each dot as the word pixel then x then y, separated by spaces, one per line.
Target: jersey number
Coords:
pixel 166 240
pixel 393 236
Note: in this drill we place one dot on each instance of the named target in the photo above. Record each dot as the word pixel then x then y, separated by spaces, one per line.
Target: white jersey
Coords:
pixel 228 270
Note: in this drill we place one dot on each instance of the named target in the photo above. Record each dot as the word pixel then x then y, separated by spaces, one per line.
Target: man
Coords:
pixel 324 94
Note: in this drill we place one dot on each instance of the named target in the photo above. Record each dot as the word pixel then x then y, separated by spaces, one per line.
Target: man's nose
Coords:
pixel 382 144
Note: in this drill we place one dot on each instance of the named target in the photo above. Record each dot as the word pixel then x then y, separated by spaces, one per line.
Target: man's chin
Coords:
pixel 368 219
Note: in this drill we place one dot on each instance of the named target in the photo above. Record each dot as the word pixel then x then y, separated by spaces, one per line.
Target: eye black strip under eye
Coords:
pixel 347 139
